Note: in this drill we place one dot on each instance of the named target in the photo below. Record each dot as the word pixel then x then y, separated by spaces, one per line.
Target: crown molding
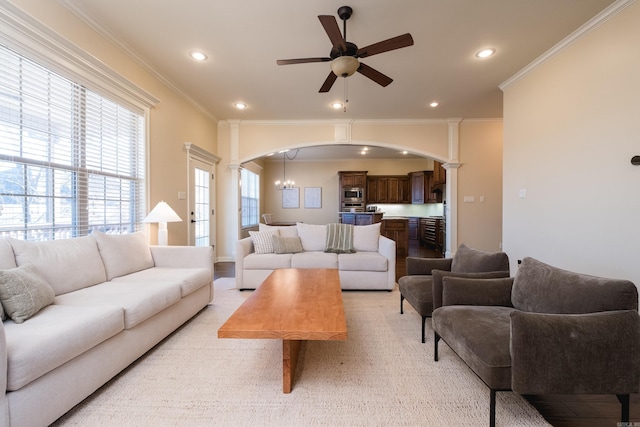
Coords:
pixel 97 26
pixel 23 33
pixel 585 29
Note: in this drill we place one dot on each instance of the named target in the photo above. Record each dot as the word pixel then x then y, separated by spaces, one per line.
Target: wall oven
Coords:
pixel 353 194
pixel 352 207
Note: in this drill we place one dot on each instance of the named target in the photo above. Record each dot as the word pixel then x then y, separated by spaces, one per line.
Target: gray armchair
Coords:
pixel 423 290
pixel 546 331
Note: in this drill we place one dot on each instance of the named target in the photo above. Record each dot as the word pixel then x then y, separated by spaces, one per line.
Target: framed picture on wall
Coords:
pixel 291 198
pixel 313 197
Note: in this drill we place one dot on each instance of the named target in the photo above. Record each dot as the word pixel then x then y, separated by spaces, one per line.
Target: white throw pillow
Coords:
pixel 262 241
pixel 312 236
pixel 66 264
pixel 366 237
pixel 123 254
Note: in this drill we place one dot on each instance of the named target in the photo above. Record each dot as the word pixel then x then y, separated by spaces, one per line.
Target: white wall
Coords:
pixel 571 126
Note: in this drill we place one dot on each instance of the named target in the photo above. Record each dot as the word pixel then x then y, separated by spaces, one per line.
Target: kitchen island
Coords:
pixel 360 218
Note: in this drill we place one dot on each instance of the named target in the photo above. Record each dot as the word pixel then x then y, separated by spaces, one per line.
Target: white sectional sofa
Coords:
pixel 371 267
pixel 93 305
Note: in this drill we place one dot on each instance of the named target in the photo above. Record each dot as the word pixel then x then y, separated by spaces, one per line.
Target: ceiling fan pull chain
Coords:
pixel 346 94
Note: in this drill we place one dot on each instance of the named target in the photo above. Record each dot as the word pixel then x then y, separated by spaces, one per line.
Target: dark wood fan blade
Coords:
pixel 326 86
pixel 301 60
pixel 333 31
pixel 385 46
pixel 374 75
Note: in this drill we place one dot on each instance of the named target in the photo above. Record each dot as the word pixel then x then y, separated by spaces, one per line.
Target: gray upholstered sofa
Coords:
pixel 78 311
pixel 371 267
pixel 544 331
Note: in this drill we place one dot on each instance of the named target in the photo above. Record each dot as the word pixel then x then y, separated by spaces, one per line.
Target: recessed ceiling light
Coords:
pixel 197 55
pixel 337 105
pixel 485 53
pixel 434 104
pixel 240 105
pixel 405 152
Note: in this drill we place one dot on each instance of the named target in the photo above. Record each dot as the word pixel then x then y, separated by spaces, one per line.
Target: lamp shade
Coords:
pixel 162 213
pixel 344 66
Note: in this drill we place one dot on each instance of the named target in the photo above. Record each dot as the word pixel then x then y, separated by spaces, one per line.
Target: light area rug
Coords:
pixel 381 376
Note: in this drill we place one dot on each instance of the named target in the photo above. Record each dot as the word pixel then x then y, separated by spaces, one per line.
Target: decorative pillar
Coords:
pixel 451 188
pixel 234 166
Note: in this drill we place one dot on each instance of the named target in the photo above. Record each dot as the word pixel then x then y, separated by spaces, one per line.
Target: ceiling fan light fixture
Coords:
pixel 344 66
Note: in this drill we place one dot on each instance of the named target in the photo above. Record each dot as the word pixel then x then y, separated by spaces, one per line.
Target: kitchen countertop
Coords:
pixel 361 213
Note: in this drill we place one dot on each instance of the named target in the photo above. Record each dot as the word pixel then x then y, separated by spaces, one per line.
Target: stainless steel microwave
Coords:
pixel 353 194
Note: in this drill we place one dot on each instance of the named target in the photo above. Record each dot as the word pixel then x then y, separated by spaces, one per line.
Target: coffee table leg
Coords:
pixel 290 351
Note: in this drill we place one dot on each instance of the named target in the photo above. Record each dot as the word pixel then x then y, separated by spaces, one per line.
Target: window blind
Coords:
pixel 71 161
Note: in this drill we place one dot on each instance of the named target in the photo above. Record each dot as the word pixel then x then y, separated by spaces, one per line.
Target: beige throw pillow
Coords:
pixel 286 245
pixel 24 292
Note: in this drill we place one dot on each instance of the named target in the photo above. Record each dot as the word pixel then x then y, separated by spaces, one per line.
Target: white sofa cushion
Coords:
pixel 23 292
pixel 123 253
pixel 365 237
pixel 314 260
pixel 285 231
pixel 313 237
pixel 139 300
pixel 54 336
pixel 267 261
pixel 190 279
pixel 66 264
pixel 7 259
pixel 362 261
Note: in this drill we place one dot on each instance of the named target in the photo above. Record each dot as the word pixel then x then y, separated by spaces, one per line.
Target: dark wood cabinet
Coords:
pixel 353 179
pixel 421 188
pixel 414 226
pixel 439 174
pixel 397 229
pixel 388 189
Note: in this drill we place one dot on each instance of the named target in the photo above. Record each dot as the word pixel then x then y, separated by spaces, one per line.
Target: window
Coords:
pixel 71 161
pixel 250 183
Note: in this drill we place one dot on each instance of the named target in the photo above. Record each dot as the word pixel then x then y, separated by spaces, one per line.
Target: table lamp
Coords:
pixel 162 214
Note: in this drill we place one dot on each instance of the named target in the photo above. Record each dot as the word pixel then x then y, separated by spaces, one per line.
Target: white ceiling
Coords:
pixel 244 38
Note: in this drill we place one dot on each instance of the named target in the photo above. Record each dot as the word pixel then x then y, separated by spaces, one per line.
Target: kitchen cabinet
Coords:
pixel 439 174
pixel 397 229
pixel 421 188
pixel 353 179
pixel 388 189
pixel 360 218
pixel 414 226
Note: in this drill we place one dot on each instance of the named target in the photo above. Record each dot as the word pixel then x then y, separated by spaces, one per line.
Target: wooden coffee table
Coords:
pixel 294 305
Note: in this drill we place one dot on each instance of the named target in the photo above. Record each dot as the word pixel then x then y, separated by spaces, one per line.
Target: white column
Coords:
pixel 451 188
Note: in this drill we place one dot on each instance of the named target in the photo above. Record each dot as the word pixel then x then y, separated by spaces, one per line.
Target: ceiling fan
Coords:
pixel 344 55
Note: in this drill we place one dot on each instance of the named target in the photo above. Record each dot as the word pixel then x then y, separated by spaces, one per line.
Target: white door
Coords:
pixel 201 211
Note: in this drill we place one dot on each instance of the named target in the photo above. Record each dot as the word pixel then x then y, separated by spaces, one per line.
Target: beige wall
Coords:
pixel 480 153
pixel 480 178
pixel 571 126
pixel 173 120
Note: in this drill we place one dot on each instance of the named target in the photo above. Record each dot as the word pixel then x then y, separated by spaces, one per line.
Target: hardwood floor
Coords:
pixel 558 410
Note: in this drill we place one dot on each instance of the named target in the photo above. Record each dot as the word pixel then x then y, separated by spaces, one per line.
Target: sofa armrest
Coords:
pixel 439 275
pixel 244 247
pixel 423 266
pixel 387 248
pixel 465 291
pixel 594 353
pixel 183 256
